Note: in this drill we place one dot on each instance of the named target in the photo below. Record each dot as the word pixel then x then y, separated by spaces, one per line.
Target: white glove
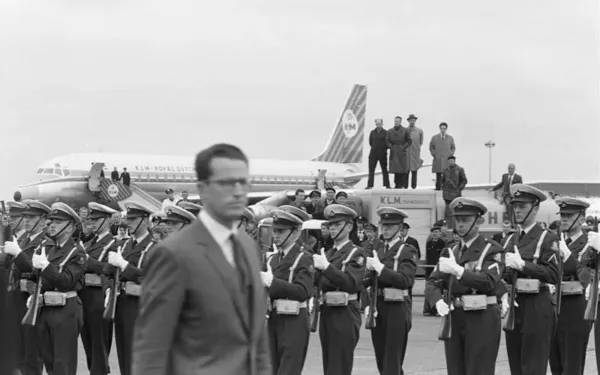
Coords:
pixel 267 277
pixel 505 305
pixel 374 264
pixel 12 248
pixel 40 261
pixel 28 303
pixel 565 253
pixel 514 261
pixel 594 240
pixel 117 260
pixel 587 292
pixel 320 260
pixel 551 288
pixel 449 265
pixel 311 304
pixel 106 295
pixel 442 308
pixel 367 309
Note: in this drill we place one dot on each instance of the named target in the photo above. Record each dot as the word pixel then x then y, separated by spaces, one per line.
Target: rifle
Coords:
pixel 509 323
pixel 316 310
pixel 591 309
pixel 445 332
pixel 370 324
pixel 560 274
pixel 5 234
pixel 111 308
pixel 32 313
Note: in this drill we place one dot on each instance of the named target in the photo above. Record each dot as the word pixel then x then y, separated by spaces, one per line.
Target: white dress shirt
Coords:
pixel 221 235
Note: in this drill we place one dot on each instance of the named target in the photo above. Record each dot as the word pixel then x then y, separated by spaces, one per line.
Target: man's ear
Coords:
pixel 480 220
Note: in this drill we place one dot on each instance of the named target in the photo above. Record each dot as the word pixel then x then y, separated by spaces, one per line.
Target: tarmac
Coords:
pixel 425 353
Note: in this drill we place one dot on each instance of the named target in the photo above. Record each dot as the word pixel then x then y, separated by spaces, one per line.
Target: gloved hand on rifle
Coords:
pixel 565 253
pixel 12 248
pixel 514 260
pixel 117 260
pixel 267 277
pixel 594 240
pixel 587 290
pixel 106 296
pixel 374 264
pixel 506 304
pixel 320 260
pixel 449 266
pixel 442 308
pixel 40 261
pixel 367 309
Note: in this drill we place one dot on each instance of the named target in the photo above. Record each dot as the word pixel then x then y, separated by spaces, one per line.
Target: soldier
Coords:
pixel 23 283
pixel 394 265
pixel 372 242
pixel 475 334
pixel 591 257
pixel 129 262
pixel 248 223
pixel 175 218
pixel 303 216
pixel 96 333
pixel 342 270
pixel 61 277
pixel 289 277
pixel 534 261
pixel 191 207
pixel 15 212
pixel 569 344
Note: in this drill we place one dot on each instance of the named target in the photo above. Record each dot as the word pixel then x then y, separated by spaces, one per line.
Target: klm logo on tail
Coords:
pixel 345 144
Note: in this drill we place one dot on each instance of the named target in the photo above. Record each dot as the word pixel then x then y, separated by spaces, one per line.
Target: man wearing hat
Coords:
pixel 176 218
pixel 289 277
pixel 169 200
pixel 23 283
pixel 476 323
pixel 531 254
pixel 61 275
pixel 191 207
pixel 372 242
pixel 96 332
pixel 15 213
pixel 394 265
pixel 590 258
pixel 433 248
pixel 569 344
pixel 129 261
pixel 303 216
pixel 342 270
pixel 247 223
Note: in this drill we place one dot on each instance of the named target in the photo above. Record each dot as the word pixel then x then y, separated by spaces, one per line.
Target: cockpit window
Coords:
pixel 48 171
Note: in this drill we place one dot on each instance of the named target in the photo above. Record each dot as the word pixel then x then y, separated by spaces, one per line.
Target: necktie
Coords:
pixel 568 241
pixel 240 262
pixel 94 240
pixel 443 137
pixel 522 235
pixel 510 179
pixel 387 247
pixel 25 242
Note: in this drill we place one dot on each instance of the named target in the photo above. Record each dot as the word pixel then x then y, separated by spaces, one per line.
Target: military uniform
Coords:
pixel 132 254
pixel 528 345
pixel 340 284
pixel 96 333
pixel 194 209
pixel 290 287
pixel 475 334
pixel 395 276
pixel 61 276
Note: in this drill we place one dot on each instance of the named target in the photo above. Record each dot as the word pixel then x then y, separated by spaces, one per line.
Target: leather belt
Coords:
pixel 490 300
pixel 300 304
pixel 380 292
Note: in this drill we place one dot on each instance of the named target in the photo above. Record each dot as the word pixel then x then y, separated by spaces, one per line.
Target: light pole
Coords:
pixel 489 144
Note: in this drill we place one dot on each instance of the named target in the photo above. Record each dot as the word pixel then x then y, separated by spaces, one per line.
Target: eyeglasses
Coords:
pixel 229 184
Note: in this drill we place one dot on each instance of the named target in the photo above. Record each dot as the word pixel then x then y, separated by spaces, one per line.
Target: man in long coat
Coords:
pixel 414 151
pixel 441 147
pixel 398 140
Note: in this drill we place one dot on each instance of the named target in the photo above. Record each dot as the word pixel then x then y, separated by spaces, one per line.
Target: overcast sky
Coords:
pixel 171 77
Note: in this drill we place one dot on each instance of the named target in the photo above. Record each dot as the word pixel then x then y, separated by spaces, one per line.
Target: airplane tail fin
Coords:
pixel 345 144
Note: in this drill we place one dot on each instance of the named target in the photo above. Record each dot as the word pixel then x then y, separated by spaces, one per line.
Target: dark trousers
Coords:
pixel 125 316
pixel 448 214
pixel 528 345
pixel 288 339
pixel 339 329
pixel 413 179
pixel 390 335
pixel 438 181
pixel 401 180
pixel 597 342
pixel 569 344
pixel 382 160
pixel 96 332
pixel 474 342
pixel 8 321
pixel 29 355
pixel 58 330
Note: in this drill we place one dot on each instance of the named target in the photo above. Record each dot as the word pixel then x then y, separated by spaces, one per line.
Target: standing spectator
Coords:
pixel 371 242
pixel 507 229
pixel 433 249
pixel 408 239
pixel 184 197
pixel 114 175
pixel 169 200
pixel 300 200
pixel 508 179
pixel 313 199
pixel 378 154
pixel 414 151
pixel 454 181
pixel 441 147
pixel 341 197
pixel 125 177
pixel 398 140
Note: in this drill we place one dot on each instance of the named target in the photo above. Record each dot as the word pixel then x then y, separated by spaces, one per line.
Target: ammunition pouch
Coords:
pixel 338 298
pixel 474 302
pixel 528 286
pixel 132 289
pixel 27 286
pixel 57 298
pixel 394 294
pixel 570 288
pixel 288 307
pixel 92 279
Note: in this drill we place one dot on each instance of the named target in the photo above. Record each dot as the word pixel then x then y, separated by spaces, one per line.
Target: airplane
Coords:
pixel 75 178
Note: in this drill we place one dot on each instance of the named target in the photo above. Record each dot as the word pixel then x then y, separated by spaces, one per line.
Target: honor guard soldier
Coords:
pixel 394 265
pixel 246 222
pixel 569 344
pixel 342 270
pixel 191 207
pixel 289 277
pixel 23 284
pixel 15 213
pixel 61 277
pixel 129 261
pixel 302 215
pixel 473 274
pixel 176 218
pixel 591 256
pixel 96 333
pixel 531 254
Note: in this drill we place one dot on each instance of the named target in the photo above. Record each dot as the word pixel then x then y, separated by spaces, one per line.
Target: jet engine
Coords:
pixel 262 209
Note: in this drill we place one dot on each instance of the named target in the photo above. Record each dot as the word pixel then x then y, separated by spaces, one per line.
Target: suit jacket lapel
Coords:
pixel 259 300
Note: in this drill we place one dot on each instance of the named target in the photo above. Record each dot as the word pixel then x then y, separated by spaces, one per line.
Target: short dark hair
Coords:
pixel 220 150
pixel 398 117
pixel 299 191
pixel 451 158
pixel 443 124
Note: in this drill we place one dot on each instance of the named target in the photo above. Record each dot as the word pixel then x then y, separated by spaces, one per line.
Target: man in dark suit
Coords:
pixel 203 305
pixel 408 239
pixel 378 154
pixel 507 229
pixel 508 179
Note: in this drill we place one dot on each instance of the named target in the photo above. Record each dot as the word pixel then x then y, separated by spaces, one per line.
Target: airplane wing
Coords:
pixel 253 197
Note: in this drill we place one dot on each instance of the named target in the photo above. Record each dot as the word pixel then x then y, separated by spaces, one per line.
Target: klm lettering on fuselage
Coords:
pixel 163 168
pixel 389 200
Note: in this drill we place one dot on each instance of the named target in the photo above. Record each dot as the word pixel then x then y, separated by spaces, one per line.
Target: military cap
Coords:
pixel 391 215
pixel 191 207
pixel 248 215
pixel 98 211
pixel 158 216
pixel 135 210
pixel 315 193
pixel 362 219
pixel 521 193
pixel 302 215
pixel 341 194
pixel 168 191
pixel 61 211
pixel 284 219
pixel 439 223
pixel 435 228
pixel 405 225
pixel 15 209
pixel 338 212
pixel 412 116
pixel 569 205
pixel 462 206
pixel 35 208
pixel 179 214
pixel 330 189
pixel 370 226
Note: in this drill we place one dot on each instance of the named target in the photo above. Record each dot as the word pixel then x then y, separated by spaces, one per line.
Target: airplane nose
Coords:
pixel 17 196
pixel 26 192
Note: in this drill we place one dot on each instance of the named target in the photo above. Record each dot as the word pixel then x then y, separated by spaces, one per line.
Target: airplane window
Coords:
pixel 40 170
pixel 56 165
pixel 48 171
pixel 67 172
